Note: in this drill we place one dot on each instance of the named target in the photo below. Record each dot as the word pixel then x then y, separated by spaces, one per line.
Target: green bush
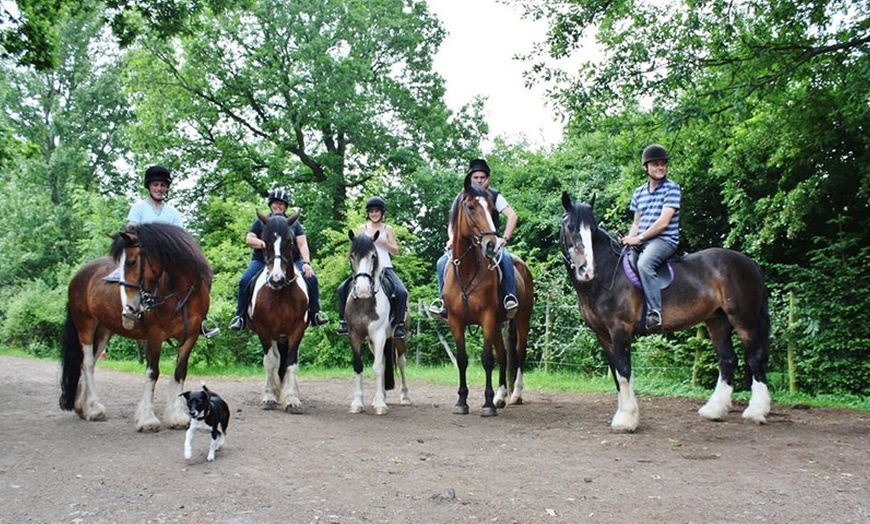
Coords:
pixel 33 318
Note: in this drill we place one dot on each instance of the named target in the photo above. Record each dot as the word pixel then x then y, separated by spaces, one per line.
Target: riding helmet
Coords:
pixel 376 202
pixel 157 173
pixel 279 194
pixel 653 152
pixel 478 164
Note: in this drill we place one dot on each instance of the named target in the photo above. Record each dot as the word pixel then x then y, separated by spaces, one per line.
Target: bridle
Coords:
pixel 572 265
pixel 149 300
pixel 270 262
pixel 373 282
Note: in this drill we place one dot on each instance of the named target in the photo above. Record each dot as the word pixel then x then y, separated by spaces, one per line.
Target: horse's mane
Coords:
pixel 475 191
pixel 362 245
pixel 173 246
pixel 277 224
pixel 582 214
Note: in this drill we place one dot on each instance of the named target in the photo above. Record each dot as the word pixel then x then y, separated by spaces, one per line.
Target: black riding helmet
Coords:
pixel 376 202
pixel 478 164
pixel 653 152
pixel 280 195
pixel 157 173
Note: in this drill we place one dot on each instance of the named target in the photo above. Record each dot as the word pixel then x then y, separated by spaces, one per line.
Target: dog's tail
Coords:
pixel 72 359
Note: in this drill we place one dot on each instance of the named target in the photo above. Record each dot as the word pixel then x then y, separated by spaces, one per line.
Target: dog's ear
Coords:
pixel 186 395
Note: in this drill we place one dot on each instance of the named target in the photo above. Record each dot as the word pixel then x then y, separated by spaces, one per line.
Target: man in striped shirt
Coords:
pixel 656 228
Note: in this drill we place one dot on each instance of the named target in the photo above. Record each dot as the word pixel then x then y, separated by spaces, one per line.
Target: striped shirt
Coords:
pixel 650 205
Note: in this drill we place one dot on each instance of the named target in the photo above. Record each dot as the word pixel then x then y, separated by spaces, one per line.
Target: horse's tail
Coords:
pixel 72 359
pixel 512 360
pixel 389 365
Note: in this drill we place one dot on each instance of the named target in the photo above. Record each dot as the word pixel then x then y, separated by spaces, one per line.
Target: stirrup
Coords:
pixel 436 309
pixel 653 320
pixel 208 332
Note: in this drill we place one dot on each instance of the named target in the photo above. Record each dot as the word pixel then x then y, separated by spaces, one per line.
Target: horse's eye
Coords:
pixel 131 262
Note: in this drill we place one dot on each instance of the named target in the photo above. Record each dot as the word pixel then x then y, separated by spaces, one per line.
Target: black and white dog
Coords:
pixel 207 411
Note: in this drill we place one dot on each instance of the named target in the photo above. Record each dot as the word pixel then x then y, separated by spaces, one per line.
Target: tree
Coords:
pixel 317 96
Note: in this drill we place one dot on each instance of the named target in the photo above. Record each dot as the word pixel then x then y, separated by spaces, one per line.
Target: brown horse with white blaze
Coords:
pixel 163 294
pixel 471 297
pixel 723 289
pixel 278 314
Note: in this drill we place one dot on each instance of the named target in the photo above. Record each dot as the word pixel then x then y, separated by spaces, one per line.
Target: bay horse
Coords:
pixel 471 297
pixel 163 294
pixel 277 314
pixel 720 287
pixel 367 313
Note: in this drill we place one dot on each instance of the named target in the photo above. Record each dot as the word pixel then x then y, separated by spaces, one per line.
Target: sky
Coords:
pixel 476 59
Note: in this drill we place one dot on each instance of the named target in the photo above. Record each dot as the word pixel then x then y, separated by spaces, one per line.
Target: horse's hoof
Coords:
pixel 460 410
pixel 500 403
pixel 488 412
pixel 148 428
pixel 356 409
pixel 516 401
pixel 269 404
pixel 381 410
pixel 293 409
pixel 406 402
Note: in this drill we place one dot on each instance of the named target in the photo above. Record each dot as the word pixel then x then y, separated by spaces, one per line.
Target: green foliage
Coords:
pixel 831 334
pixel 32 318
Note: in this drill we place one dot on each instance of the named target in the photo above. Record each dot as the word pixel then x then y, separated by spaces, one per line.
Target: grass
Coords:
pixel 645 385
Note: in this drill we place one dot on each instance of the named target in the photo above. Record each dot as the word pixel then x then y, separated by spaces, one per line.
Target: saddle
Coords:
pixel 257 282
pixel 390 291
pixel 664 275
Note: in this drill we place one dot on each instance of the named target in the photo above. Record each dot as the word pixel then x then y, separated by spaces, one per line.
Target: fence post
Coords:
pixel 792 380
pixel 547 334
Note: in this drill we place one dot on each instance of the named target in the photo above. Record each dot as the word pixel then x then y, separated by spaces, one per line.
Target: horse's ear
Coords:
pixel 592 202
pixel 377 234
pixel 132 239
pixel 261 217
pixel 468 183
pixel 350 234
pixel 293 218
pixel 566 201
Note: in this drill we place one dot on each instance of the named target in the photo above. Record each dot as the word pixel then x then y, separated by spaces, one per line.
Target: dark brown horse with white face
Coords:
pixel 722 288
pixel 163 294
pixel 471 297
pixel 368 318
pixel 278 314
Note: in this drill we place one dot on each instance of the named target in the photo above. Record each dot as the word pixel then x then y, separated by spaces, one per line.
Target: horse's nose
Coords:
pixel 131 312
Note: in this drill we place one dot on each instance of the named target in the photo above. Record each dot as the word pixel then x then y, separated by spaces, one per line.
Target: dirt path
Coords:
pixel 551 460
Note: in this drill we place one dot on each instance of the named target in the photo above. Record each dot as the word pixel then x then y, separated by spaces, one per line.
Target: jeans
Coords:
pixel 399 304
pixel 313 291
pixel 242 299
pixel 508 282
pixel 652 255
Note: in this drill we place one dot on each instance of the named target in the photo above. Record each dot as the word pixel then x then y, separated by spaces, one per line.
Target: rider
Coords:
pixel 155 209
pixel 479 171
pixel 656 227
pixel 278 204
pixel 386 244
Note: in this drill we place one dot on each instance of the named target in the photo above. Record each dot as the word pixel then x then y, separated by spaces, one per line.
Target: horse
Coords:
pixel 471 297
pixel 367 313
pixel 163 294
pixel 720 287
pixel 278 314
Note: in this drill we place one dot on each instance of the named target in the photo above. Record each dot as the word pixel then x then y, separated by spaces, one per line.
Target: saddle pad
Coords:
pixel 664 276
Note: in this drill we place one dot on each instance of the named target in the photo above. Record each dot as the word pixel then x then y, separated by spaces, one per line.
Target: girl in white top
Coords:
pixel 386 245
